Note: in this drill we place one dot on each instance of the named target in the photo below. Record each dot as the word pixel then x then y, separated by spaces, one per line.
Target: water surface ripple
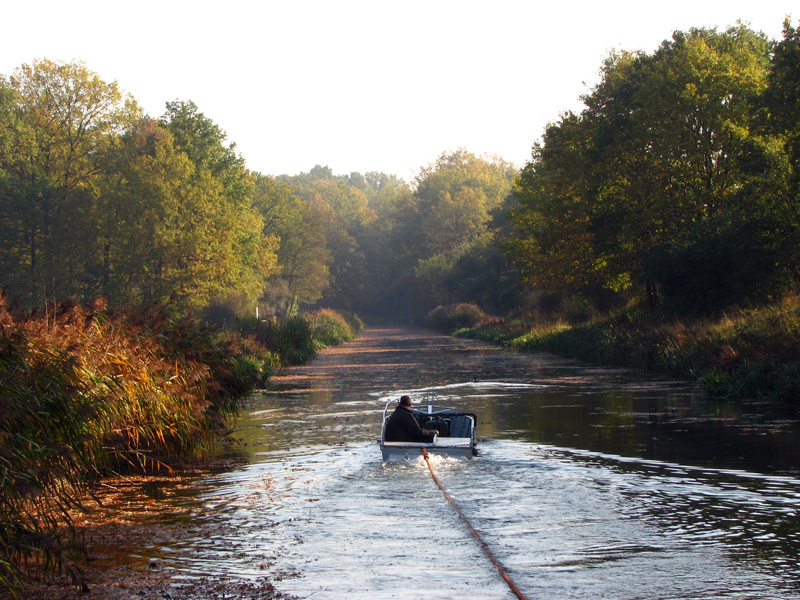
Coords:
pixel 590 483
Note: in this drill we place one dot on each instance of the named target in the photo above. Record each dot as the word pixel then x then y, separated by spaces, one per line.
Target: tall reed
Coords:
pixel 88 392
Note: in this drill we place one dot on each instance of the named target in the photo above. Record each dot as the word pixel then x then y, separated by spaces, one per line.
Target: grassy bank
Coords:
pixel 741 354
pixel 86 392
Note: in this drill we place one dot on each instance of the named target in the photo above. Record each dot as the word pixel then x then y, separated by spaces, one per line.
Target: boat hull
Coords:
pixel 462 448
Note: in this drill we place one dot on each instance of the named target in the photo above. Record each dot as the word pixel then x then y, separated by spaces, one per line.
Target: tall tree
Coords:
pixel 167 232
pixel 455 195
pixel 782 101
pixel 299 237
pixel 340 204
pixel 387 255
pixel 70 116
pixel 783 94
pixel 455 198
pixel 656 165
pixel 553 244
pixel 226 250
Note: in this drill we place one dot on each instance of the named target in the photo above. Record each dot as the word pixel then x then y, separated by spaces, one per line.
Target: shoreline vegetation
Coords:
pixel 89 393
pixel 740 354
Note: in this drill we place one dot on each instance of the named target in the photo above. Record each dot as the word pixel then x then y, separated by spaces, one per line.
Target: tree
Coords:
pixel 387 252
pixel 166 233
pixel 782 97
pixel 64 117
pixel 782 103
pixel 454 201
pixel 224 250
pixel 300 242
pixel 454 197
pixel 654 164
pixel 17 216
pixel 553 245
pixel 304 258
pixel 343 211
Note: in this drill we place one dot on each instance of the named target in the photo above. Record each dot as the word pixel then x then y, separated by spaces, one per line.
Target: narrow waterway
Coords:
pixel 590 483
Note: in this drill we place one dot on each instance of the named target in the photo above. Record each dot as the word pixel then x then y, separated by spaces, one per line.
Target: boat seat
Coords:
pixel 442 425
pixel 461 426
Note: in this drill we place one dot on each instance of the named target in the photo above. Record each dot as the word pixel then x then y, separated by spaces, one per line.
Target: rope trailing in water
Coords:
pixel 474 533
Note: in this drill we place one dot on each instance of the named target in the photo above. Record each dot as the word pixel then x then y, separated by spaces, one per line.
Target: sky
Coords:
pixel 362 85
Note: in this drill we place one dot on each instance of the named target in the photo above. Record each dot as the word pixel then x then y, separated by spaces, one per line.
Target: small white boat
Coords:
pixel 457 432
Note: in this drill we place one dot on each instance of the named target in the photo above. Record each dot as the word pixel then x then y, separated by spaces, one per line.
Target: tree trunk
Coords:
pixel 652 295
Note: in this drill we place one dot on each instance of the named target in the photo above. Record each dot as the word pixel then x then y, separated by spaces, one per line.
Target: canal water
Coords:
pixel 590 482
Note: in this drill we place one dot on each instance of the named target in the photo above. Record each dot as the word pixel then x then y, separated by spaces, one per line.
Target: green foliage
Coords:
pixel 100 199
pixel 713 273
pixel 741 354
pixel 340 212
pixel 458 205
pixel 303 257
pixel 290 339
pixel 455 316
pixel 782 97
pixel 297 339
pixel 60 120
pixel 112 202
pixel 653 185
pixel 329 328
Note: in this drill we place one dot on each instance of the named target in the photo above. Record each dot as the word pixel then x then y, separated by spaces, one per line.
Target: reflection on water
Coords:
pixel 590 483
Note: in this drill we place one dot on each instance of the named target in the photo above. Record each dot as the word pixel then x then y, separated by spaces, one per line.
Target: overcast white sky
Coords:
pixel 361 85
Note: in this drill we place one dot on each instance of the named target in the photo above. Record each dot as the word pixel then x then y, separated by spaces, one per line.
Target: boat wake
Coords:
pixel 342 524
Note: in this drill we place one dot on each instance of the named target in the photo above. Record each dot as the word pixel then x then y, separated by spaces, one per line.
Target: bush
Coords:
pixel 86 392
pixel 329 328
pixel 742 354
pixel 291 339
pixel 578 309
pixel 355 323
pixel 452 317
pixel 297 339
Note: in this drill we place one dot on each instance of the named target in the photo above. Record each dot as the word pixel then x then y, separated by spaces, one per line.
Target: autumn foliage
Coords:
pixel 85 392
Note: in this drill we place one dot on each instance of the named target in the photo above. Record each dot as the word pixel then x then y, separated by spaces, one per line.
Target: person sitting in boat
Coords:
pixel 403 426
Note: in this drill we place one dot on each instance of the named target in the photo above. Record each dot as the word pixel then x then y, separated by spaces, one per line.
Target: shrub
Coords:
pixel 297 339
pixel 329 328
pixel 451 317
pixel 291 340
pixel 578 308
pixel 86 392
pixel 355 323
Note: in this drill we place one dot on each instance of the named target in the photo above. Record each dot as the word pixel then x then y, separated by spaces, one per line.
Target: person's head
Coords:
pixel 405 401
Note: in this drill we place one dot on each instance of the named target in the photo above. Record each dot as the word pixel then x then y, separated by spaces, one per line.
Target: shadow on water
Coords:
pixel 591 482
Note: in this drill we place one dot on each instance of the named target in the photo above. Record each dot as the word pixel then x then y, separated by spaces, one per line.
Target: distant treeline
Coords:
pixel 677 186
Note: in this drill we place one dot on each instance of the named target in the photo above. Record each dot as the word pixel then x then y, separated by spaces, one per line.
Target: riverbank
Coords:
pixel 88 393
pixel 122 537
pixel 741 354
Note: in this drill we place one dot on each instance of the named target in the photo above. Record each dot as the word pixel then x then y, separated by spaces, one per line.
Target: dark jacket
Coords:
pixel 402 426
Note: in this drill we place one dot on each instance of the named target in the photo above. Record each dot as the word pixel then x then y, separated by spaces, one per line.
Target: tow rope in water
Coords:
pixel 474 533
